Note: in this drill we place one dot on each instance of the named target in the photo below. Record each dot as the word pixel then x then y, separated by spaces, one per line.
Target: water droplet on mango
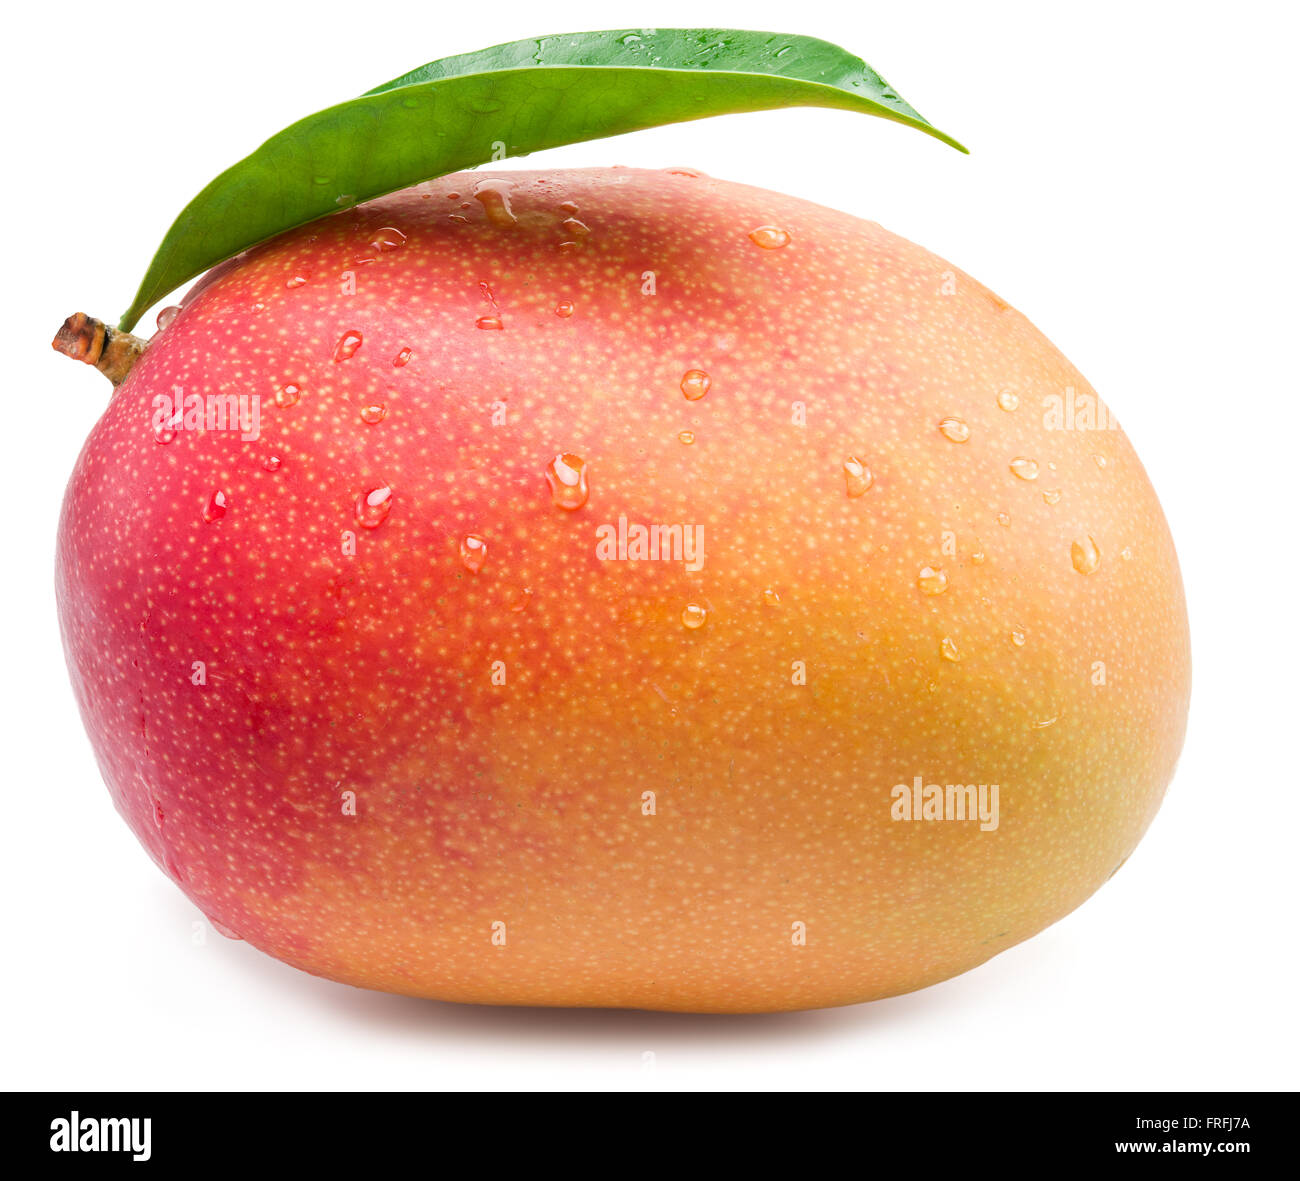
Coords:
pixel 347 346
pixel 695 384
pixel 494 196
pixel 567 476
pixel 216 507
pixel 932 581
pixel 473 552
pixel 386 239
pixel 224 931
pixel 1085 557
pixel 857 477
pixel 694 615
pixel 374 506
pixel 770 237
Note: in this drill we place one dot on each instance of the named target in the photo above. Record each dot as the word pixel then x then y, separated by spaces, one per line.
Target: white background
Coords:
pixel 1132 189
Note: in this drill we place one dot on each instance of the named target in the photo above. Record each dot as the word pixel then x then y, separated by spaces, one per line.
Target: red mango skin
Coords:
pixel 387 768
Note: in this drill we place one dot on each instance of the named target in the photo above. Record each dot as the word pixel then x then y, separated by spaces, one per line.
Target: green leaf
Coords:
pixel 509 100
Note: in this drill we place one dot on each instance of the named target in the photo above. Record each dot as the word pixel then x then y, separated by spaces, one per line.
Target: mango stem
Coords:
pixel 83 338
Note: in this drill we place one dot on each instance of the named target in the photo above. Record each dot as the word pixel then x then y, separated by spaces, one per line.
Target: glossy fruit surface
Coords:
pixel 379 683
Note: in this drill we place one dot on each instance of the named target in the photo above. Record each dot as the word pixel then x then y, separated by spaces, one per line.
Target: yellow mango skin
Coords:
pixel 409 775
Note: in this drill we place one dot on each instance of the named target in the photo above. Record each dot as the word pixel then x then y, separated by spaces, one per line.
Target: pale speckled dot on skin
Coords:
pixel 520 802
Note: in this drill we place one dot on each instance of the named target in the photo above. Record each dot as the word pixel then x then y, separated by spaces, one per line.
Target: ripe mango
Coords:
pixel 620 588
